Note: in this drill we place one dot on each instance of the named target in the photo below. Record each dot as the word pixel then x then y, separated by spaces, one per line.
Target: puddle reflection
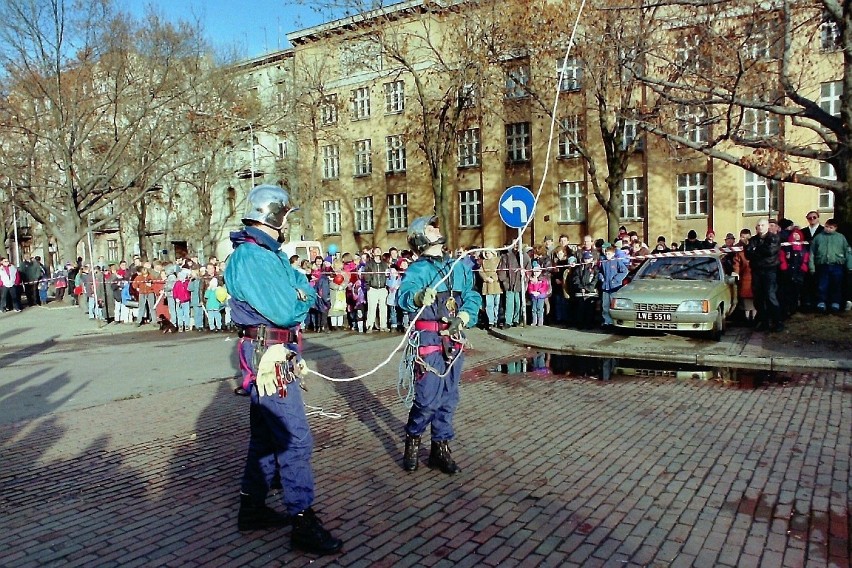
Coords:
pixel 606 368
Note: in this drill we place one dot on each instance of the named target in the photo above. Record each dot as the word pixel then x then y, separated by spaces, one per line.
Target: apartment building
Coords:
pixel 368 174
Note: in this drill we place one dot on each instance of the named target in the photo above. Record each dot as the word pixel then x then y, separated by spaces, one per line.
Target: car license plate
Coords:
pixel 653 316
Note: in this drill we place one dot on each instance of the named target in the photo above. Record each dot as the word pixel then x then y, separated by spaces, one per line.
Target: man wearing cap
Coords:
pixel 709 241
pixel 441 291
pixel 728 259
pixel 269 300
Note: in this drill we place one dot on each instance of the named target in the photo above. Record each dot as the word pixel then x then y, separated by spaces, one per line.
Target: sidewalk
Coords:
pixel 740 347
pixel 557 470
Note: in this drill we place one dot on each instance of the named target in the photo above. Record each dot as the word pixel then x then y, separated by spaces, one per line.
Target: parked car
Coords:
pixel 677 293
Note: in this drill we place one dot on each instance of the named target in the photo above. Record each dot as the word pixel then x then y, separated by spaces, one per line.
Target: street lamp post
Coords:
pixel 251 149
pixel 15 227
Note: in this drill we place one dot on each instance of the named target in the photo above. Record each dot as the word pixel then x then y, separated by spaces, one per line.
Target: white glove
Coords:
pixel 465 317
pixel 425 297
pixel 266 381
pixel 301 368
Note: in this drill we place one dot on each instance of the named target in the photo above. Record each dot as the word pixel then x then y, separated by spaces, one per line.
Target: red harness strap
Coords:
pixel 429 349
pixel 435 326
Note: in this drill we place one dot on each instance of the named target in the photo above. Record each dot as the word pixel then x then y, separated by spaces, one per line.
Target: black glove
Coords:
pixel 456 325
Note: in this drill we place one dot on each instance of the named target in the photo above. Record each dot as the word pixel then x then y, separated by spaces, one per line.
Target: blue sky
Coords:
pixel 254 27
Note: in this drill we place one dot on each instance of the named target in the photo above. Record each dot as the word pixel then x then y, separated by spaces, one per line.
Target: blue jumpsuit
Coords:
pixel 262 285
pixel 435 397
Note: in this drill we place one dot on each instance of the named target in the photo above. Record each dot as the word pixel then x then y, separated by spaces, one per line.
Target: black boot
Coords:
pixel 309 535
pixel 412 448
pixel 255 516
pixel 441 458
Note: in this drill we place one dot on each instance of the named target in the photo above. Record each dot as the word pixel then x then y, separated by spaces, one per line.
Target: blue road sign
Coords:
pixel 516 206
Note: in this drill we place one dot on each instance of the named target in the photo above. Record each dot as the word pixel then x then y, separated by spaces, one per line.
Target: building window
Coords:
pixel 570 134
pixel 363 157
pixel 633 199
pixel 330 162
pixel 687 53
pixel 397 211
pixel 829 33
pixel 691 123
pixel 758 124
pixel 364 214
pixel 395 152
pixel 231 198
pixel 829 97
pixel 632 132
pixel 570 74
pixel 361 103
pixel 758 42
pixel 394 97
pixel 572 202
pixel 282 149
pixel 281 94
pixel 826 196
pixel 761 195
pixel 112 250
pixel 692 194
pixel 469 147
pixel 467 96
pixel 518 142
pixel 331 217
pixel 470 208
pixel 328 110
pixel 517 78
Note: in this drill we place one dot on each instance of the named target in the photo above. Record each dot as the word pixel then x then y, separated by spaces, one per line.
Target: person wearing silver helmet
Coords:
pixel 269 300
pixel 448 307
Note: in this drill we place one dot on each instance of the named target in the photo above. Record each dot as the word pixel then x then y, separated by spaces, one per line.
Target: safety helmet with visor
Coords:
pixel 268 205
pixel 417 238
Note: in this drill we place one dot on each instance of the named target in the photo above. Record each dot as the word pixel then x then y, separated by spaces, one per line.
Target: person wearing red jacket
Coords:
pixel 793 269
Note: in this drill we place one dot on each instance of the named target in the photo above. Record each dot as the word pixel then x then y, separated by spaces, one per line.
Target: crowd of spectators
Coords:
pixel 781 268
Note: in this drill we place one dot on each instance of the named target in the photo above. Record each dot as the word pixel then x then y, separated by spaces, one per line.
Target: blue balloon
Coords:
pixel 332 249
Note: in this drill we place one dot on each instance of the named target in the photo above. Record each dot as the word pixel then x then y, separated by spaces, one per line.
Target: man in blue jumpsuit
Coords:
pixel 268 301
pixel 449 307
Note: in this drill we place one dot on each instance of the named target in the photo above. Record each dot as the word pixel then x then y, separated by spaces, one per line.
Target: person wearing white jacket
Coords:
pixel 9 281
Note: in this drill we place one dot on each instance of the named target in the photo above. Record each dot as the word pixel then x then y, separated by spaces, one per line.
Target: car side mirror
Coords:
pixel 731 279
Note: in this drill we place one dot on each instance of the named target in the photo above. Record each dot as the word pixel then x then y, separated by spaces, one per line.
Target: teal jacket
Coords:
pixel 263 285
pixel 829 249
pixel 425 272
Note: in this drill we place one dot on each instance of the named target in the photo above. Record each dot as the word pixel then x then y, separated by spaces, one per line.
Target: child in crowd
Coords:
pixel 614 268
pixel 182 299
pixel 213 306
pixel 539 289
pixel 356 303
pixel 337 293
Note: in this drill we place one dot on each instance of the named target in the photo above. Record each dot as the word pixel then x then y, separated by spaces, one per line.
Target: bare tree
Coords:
pixel 766 87
pixel 94 110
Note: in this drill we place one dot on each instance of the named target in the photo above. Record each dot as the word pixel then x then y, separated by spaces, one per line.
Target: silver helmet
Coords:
pixel 417 238
pixel 268 204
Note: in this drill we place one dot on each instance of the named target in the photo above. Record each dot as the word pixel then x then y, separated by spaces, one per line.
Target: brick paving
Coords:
pixel 558 471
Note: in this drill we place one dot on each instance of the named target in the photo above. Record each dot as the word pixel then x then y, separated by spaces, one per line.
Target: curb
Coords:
pixel 741 361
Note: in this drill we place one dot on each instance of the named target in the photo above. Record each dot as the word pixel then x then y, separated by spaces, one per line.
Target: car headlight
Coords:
pixel 621 304
pixel 695 306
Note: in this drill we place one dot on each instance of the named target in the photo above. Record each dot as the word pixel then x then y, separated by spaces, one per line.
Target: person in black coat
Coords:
pixel 762 254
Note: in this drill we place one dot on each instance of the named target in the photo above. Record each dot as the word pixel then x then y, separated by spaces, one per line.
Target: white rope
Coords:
pixel 518 241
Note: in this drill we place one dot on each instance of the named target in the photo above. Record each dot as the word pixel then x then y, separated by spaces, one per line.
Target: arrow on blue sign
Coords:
pixel 516 206
pixel 512 204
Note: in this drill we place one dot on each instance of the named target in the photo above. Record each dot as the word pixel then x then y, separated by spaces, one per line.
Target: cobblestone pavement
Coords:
pixel 558 471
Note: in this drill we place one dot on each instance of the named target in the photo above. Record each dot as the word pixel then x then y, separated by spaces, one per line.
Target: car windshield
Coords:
pixel 680 268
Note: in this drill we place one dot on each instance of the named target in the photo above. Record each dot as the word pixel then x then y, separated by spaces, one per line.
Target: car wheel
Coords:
pixel 715 334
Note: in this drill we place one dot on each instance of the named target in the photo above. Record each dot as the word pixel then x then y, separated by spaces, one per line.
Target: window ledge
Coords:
pixel 356 176
pixel 688 217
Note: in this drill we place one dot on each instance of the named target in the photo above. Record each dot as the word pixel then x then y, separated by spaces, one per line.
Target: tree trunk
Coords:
pixel 68 247
pixel 843 212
